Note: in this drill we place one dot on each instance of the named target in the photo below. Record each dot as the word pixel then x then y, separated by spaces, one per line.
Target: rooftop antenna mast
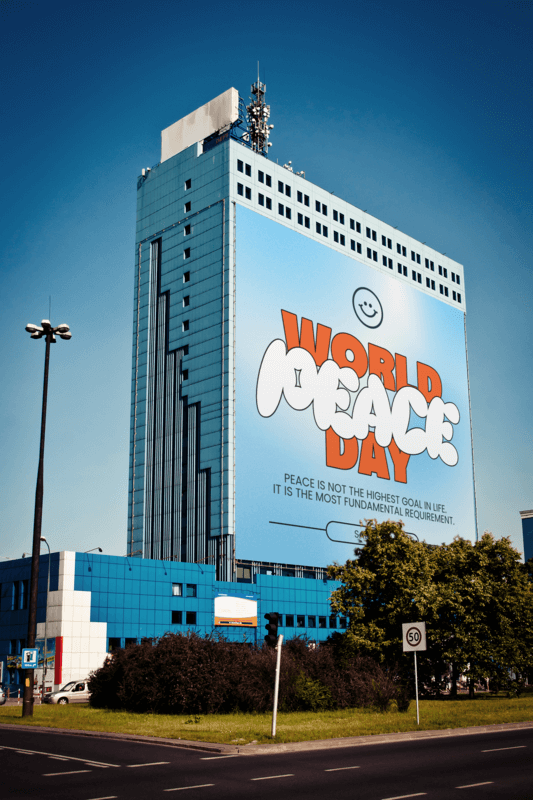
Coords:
pixel 258 115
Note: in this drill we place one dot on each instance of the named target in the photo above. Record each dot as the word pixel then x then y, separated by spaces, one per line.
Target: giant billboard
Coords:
pixel 351 402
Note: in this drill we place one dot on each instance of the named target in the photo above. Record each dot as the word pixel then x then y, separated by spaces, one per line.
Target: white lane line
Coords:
pixel 109 797
pixel 471 785
pixel 58 758
pixel 67 758
pixel 338 769
pixel 151 764
pixel 182 788
pixel 212 758
pixel 72 772
pixel 270 777
pixel 496 749
pixel 25 752
pixel 402 796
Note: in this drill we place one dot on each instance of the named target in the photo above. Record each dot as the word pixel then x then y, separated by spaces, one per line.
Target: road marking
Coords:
pixel 270 777
pixel 181 788
pixel 517 747
pixel 72 772
pixel 402 796
pixel 338 769
pixel 109 797
pixel 58 758
pixel 471 785
pixel 212 758
pixel 67 758
pixel 150 764
pixel 25 752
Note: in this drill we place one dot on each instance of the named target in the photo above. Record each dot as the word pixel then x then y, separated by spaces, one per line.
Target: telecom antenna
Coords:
pixel 258 114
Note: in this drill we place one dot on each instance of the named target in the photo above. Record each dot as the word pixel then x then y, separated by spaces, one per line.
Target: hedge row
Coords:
pixel 195 675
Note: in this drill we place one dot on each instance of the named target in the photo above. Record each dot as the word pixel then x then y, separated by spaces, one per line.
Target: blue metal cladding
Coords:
pixel 527 531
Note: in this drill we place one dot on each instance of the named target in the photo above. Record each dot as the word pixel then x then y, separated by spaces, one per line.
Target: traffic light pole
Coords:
pixel 276 685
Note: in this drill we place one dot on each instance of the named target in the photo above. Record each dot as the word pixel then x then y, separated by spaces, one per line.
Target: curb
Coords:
pixel 288 747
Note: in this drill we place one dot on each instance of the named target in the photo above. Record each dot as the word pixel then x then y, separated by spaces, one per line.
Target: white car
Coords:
pixel 2 696
pixel 73 692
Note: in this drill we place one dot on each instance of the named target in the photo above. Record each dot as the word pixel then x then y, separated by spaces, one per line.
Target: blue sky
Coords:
pixel 419 112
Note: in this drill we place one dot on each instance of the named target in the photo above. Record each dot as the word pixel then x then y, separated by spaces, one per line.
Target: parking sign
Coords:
pixel 29 658
pixel 414 636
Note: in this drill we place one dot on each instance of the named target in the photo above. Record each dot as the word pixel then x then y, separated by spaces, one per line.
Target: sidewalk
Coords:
pixel 288 747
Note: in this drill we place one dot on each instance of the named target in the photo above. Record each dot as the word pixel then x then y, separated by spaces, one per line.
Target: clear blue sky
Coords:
pixel 419 112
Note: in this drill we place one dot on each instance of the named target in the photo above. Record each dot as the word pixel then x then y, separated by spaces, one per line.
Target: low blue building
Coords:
pixel 97 603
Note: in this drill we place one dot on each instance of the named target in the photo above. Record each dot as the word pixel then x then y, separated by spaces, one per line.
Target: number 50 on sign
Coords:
pixel 413 636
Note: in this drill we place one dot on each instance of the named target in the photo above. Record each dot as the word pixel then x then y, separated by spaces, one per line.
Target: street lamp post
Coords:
pixel 45 654
pixel 49 333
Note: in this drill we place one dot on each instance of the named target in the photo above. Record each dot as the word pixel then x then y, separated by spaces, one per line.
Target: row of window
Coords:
pixel 18 595
pixel 178 617
pixel 311 621
pixel 178 590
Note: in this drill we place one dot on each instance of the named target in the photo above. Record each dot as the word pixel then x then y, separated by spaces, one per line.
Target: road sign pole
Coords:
pixel 276 685
pixel 416 691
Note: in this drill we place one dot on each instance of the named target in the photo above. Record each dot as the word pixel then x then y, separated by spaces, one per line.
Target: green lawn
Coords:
pixel 297 727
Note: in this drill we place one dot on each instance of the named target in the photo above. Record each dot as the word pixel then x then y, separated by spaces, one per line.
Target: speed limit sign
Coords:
pixel 414 636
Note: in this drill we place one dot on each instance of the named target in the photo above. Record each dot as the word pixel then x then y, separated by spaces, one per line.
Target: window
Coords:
pixel 352 244
pixel 268 180
pixel 324 230
pixel 185 325
pixel 269 203
pixel 391 265
pixel 335 237
pixel 244 574
pixel 186 350
pixel 454 295
pixel 261 199
pixel 177 617
pixel 374 255
pixel 352 224
pixel 306 200
pixel 333 621
pixel 384 241
pixel 287 190
pixel 413 274
pixel 440 270
pixel 399 249
pixel 307 222
pixel 368 252
pixel 281 209
pixel 190 617
pixel 458 279
pixel 185 374
pixel 405 271
pixel 413 255
pixel 15 596
pixel 427 263
pixel 129 641
pixel 240 189
pixel 299 197
pixel 289 620
pixel 187 252
pixel 446 291
pixel 321 622
pixel 186 277
pixel 384 261
pixel 248 170
pixel 400 269
pixel 186 301
pixel 453 277
pixel 191 590
pixel 114 644
pixel 404 252
pixel 419 277
pixel 458 297
pixel 428 283
pixel 317 206
pixel 248 192
pixel 341 219
pixel 187 230
pixel 374 236
pixel 311 622
pixel 261 176
pixel 358 227
pixel 187 207
pixel 318 227
pixel 188 183
pixel 432 266
pixel 240 166
pixel 280 187
pixel 343 240
pixel 177 589
pixel 324 210
pixel 433 285
pixel 389 244
pixel 335 215
pixel 287 212
pixel 441 290
pixel 359 247
pixel 300 621
pixel 445 272
pixel 368 233
pixel 300 219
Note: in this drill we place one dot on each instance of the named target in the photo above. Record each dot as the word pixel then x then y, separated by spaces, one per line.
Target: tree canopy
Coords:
pixel 476 600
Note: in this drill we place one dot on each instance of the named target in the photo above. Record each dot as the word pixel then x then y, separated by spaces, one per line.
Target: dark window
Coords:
pixel 306 200
pixel 311 622
pixel 352 244
pixel 384 261
pixel 240 189
pixel 384 241
pixel 186 350
pixel 368 233
pixel 188 183
pixel 281 209
pixel 185 325
pixel 413 274
pixel 300 621
pixel 187 230
pixel 186 301
pixel 405 271
pixel 343 240
pixel 358 227
pixel 432 266
pixel 322 622
pixel 248 193
pixel 269 203
pixel 324 230
pixel 413 257
pixel 374 255
pixel 433 285
pixel 418 258
pixel 287 190
pixel 335 237
pixel 399 248
pixel 446 291
pixel 458 279
pixel 400 268
pixel 341 219
pixel 389 244
pixel 419 278
pixel 318 227
pixel 287 212
pixel 186 277
pixel 289 620
pixel 368 252
pixel 359 248
pixel 190 617
pixel 458 297
pixel 187 252
pixel 185 374
pixel 454 295
pixel 248 170
pixel 441 290
pixel 261 199
pixel 440 270
pixel 300 219
pixel 299 197
pixel 191 590
pixel 130 641
pixel 15 596
pixel 445 272
pixel 261 176
pixel 280 187
pixel 177 617
pixel 427 263
pixel 374 236
pixel 453 276
pixel 428 283
pixel 335 216
pixel 404 252
pixel 342 622
pixel 317 206
pixel 324 210
pixel 390 263
pixel 114 644
pixel 268 180
pixel 307 222
pixel 187 207
pixel 352 224
pixel 333 621
pixel 240 166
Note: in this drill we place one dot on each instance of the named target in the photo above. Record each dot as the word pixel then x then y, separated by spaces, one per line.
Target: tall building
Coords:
pixel 285 343
pixel 527 533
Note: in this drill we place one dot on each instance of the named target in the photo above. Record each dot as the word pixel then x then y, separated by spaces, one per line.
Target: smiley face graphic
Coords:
pixel 367 307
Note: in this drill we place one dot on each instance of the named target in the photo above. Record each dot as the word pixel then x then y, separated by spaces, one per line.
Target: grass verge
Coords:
pixel 295 727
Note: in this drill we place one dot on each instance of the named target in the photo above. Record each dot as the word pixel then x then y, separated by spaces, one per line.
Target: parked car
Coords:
pixel 73 692
pixel 2 696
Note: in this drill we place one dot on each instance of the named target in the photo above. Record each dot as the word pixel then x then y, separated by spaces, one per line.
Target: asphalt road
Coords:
pixel 47 765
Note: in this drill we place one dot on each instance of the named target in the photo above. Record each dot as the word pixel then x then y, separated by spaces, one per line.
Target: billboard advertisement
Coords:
pixel 351 402
pixel 235 611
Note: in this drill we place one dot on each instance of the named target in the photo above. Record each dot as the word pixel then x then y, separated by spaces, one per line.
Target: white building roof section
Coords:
pixel 198 125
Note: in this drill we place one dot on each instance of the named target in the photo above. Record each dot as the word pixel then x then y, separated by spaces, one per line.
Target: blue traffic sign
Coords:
pixel 29 657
